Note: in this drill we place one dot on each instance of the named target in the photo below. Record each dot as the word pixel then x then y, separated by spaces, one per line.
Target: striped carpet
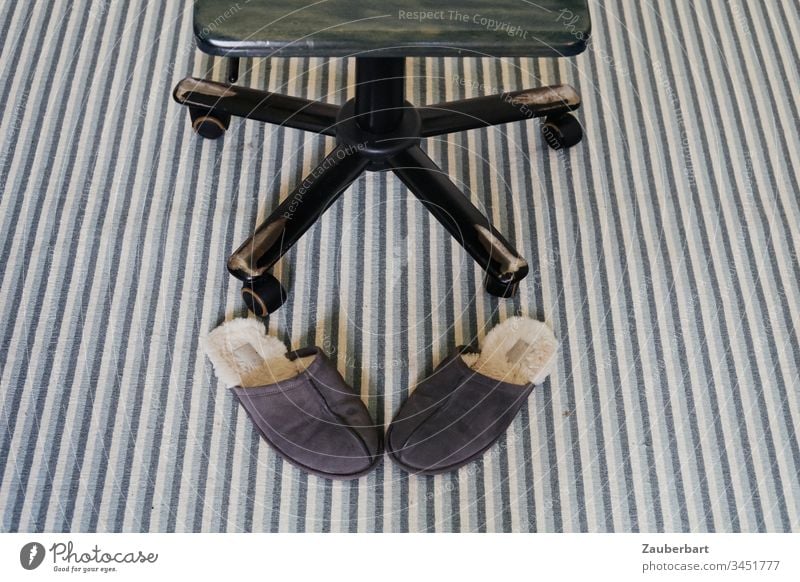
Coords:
pixel 664 252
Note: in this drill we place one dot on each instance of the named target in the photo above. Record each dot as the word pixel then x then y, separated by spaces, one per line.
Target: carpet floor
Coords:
pixel 663 250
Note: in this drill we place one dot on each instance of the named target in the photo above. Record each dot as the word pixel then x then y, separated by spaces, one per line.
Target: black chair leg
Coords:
pixel 378 130
pixel 453 116
pixel 252 261
pixel 220 98
pixel 503 265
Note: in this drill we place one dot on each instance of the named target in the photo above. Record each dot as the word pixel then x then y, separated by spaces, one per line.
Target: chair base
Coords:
pixel 376 131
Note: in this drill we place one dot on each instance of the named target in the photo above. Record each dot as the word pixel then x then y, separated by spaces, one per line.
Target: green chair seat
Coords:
pixel 327 28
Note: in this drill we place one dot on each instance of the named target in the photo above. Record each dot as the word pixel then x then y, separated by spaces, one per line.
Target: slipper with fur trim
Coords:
pixel 455 415
pixel 298 401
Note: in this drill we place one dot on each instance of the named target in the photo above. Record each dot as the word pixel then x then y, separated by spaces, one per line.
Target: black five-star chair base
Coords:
pixel 378 130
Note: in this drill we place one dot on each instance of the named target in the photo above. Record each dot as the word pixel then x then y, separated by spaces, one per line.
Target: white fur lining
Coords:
pixel 519 351
pixel 244 355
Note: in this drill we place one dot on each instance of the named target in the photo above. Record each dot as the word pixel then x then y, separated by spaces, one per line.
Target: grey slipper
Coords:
pixel 298 401
pixel 460 411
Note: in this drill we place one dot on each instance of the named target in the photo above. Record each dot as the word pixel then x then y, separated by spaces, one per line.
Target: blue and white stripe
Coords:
pixel 665 253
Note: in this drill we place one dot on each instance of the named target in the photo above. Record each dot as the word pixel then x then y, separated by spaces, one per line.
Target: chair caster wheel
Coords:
pixel 499 289
pixel 562 132
pixel 263 295
pixel 209 124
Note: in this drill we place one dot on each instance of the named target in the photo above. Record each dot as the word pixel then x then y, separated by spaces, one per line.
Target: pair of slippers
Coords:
pixel 304 409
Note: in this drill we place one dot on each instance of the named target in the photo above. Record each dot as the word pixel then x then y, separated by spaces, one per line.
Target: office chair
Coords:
pixel 379 130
